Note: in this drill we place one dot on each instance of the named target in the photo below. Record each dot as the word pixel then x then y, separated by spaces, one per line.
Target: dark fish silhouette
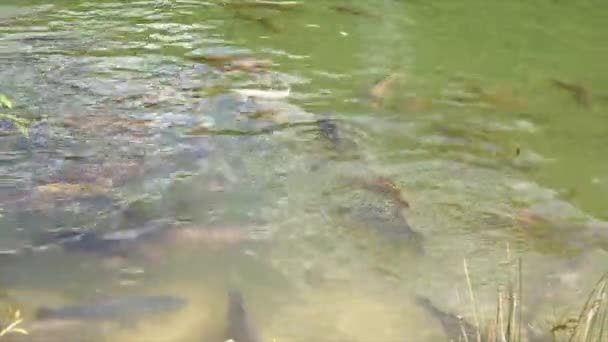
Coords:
pixel 116 243
pixel 578 92
pixel 118 309
pixel 386 219
pixel 240 327
pixel 381 185
pixel 329 131
pixel 453 326
pixel 348 9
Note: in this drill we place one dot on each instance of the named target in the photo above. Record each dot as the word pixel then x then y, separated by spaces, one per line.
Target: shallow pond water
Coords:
pixel 398 139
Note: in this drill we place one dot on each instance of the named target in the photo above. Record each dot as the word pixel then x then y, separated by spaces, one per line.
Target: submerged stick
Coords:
pixel 521 295
pixel 590 308
pixel 473 303
pixel 501 318
pixel 603 318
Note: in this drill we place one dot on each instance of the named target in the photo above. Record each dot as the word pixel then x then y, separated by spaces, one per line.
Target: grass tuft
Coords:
pixel 591 325
pixel 592 321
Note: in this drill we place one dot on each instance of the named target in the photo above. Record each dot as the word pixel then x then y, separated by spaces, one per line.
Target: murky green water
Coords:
pixel 497 118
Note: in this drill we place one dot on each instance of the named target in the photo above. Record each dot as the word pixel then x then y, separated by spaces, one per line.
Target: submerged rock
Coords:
pixel 40 135
pixel 6 126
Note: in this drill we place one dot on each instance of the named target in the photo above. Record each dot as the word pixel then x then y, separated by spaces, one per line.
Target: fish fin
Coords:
pixel 44 313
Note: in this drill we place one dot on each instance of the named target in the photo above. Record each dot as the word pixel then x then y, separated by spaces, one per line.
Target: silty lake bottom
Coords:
pixel 302 171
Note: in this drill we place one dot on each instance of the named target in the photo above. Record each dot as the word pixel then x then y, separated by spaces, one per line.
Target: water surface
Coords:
pixel 133 121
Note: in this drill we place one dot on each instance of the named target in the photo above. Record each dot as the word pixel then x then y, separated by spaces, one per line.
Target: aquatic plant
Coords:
pixel 5 102
pixel 10 316
pixel 20 123
pixel 592 323
pixel 507 325
pixel 13 328
pixel 590 326
pixel 13 322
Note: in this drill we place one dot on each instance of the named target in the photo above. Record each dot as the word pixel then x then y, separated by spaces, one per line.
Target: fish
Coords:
pixel 240 327
pixel 251 64
pixel 578 92
pixel 219 59
pixel 123 309
pixel 264 21
pixel 115 243
pixel 453 326
pixel 330 131
pixel 386 219
pixel 382 89
pixel 348 9
pixel 382 185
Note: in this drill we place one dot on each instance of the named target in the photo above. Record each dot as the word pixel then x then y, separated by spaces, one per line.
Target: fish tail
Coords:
pixel 427 304
pixel 44 313
pixel 423 301
pixel 235 297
